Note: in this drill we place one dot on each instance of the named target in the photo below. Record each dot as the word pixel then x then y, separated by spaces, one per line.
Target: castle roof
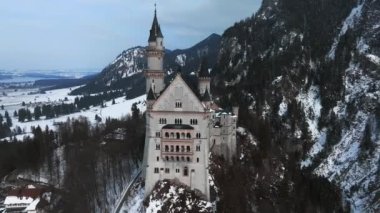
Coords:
pixel 150 95
pixel 155 31
pixel 203 71
pixel 206 97
pixel 177 126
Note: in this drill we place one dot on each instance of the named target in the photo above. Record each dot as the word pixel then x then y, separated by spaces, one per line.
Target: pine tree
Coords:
pixel 37 112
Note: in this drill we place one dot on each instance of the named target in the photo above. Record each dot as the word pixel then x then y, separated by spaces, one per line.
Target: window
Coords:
pixel 183 135
pixel 178 136
pixel 177 158
pixel 188 159
pixel 166 148
pixel 156 170
pixel 158 158
pixel 167 158
pixel 162 121
pixel 171 148
pixel 182 148
pixel 197 160
pixel 172 158
pixel 198 148
pixel 177 148
pixel 188 148
pixel 158 147
pixel 177 170
pixel 183 158
pixel 158 134
pixel 198 135
pixel 178 104
pixel 167 170
pixel 166 134
pixel 188 135
pixel 194 121
pixel 185 171
pixel 178 121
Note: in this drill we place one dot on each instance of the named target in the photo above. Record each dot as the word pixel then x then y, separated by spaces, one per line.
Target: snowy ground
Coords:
pixel 14 99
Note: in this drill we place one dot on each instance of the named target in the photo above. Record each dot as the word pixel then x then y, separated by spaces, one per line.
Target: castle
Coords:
pixel 183 124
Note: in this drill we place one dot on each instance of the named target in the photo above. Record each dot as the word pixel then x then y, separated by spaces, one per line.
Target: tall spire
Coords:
pixel 155 31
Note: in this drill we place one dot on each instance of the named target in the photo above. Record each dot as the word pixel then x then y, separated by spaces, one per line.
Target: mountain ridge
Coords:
pixel 125 71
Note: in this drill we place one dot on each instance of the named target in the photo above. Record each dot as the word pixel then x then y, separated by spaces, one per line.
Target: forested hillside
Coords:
pixel 306 74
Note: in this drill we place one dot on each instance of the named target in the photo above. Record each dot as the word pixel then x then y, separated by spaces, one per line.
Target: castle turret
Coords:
pixel 150 99
pixel 155 56
pixel 203 78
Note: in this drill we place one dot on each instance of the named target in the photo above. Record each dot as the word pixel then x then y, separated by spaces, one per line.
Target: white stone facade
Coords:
pixel 181 130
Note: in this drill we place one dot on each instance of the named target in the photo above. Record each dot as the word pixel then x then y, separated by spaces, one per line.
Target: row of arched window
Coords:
pixel 193 121
pixel 177 135
pixel 167 170
pixel 178 104
pixel 178 121
pixel 162 121
pixel 177 148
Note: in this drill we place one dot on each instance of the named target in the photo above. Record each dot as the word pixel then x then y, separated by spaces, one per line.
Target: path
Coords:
pixel 125 192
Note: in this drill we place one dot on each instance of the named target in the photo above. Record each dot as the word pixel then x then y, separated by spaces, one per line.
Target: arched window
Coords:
pixel 188 135
pixel 171 148
pixel 167 158
pixel 166 148
pixel 178 136
pixel 166 134
pixel 188 148
pixel 177 158
pixel 182 148
pixel 185 171
pixel 197 160
pixel 158 158
pixel 198 135
pixel 177 148
pixel 188 159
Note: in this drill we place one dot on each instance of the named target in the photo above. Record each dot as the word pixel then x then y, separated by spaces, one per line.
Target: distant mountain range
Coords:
pixel 125 72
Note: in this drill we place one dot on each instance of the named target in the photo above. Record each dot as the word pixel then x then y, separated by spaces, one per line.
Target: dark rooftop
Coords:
pixel 151 95
pixel 203 71
pixel 155 31
pixel 177 126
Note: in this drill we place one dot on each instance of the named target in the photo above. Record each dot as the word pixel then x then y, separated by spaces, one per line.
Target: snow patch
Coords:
pixel 348 23
pixel 181 60
pixel 283 108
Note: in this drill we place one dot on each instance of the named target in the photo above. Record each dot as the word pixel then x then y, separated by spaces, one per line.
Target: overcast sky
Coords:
pixel 81 34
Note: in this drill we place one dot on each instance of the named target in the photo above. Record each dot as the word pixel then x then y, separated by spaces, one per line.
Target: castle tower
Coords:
pixel 204 78
pixel 155 52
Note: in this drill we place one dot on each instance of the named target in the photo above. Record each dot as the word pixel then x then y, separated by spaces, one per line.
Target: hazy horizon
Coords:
pixel 89 34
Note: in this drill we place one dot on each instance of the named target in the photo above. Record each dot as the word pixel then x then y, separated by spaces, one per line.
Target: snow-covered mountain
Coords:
pixel 309 73
pixel 125 72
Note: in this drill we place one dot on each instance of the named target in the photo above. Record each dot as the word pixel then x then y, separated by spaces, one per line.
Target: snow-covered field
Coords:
pixel 13 101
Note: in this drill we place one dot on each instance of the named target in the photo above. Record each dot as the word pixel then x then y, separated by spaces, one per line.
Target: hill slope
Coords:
pixel 306 74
